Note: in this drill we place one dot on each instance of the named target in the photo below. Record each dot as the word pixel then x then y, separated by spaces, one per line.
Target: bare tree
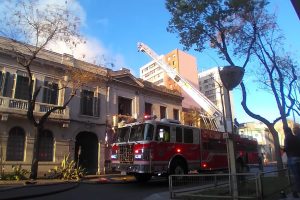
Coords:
pixel 277 75
pixel 239 29
pixel 31 27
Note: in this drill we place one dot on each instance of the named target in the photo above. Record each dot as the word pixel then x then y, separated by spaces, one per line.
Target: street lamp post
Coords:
pixel 231 76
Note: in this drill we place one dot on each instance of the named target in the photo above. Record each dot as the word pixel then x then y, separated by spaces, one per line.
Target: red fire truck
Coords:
pixel 167 147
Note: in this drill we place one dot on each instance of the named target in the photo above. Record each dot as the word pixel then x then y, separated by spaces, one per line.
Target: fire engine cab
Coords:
pixel 164 147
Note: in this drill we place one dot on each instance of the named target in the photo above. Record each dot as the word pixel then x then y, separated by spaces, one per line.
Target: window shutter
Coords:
pixel 45 92
pixel 81 101
pixel 8 84
pixel 38 83
pixel 2 80
pixel 54 92
pixel 97 105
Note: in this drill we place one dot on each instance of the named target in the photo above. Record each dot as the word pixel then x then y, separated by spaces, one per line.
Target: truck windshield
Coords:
pixel 141 132
pixel 123 134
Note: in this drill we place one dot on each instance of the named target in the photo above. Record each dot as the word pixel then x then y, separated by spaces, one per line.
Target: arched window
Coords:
pixel 15 144
pixel 46 146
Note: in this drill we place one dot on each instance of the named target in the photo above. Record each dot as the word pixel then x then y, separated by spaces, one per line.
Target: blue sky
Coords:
pixel 118 25
pixel 112 29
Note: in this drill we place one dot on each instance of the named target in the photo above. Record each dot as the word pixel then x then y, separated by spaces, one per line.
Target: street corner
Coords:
pixel 110 179
pixel 123 179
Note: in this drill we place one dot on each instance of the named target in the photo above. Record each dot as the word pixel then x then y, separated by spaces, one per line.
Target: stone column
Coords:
pixel 101 158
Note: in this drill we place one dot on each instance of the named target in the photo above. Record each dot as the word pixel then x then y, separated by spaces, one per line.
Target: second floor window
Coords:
pixel 22 87
pixel 163 112
pixel 89 103
pixel 50 93
pixel 176 114
pixel 148 108
pixel 14 85
pixel 124 106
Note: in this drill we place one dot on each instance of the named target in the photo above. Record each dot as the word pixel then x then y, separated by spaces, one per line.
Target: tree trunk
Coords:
pixel 36 151
pixel 277 147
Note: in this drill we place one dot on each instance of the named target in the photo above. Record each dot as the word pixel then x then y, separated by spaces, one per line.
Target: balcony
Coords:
pixel 19 107
pixel 121 120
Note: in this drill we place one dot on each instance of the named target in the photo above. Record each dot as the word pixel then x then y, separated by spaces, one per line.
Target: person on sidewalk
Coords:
pixel 292 144
pixel 261 161
pixel 284 158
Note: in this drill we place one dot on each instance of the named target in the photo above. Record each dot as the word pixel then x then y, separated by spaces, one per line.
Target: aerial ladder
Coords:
pixel 214 114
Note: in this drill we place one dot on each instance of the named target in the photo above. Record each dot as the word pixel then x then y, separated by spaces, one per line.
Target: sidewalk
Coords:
pixel 42 187
pixel 23 189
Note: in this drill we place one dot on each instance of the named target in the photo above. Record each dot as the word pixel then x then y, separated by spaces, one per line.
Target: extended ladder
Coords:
pixel 194 93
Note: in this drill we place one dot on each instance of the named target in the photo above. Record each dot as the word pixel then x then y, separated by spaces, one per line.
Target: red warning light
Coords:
pixel 204 165
pixel 147 117
pixel 178 150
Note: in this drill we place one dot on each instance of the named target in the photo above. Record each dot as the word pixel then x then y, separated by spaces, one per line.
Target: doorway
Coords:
pixel 86 151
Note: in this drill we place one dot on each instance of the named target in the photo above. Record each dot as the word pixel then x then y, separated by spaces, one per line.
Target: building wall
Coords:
pixel 139 97
pixel 182 62
pixel 64 127
pixel 153 73
pixel 186 65
pixel 260 132
pixel 68 125
pixel 211 86
pixel 279 128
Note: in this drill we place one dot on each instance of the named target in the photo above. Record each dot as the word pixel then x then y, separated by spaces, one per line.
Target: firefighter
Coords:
pixel 166 136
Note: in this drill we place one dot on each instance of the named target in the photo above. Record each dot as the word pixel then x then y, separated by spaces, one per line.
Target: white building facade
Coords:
pixel 81 129
pixel 211 86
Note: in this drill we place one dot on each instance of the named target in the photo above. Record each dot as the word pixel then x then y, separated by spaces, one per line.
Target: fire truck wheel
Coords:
pixel 178 167
pixel 142 177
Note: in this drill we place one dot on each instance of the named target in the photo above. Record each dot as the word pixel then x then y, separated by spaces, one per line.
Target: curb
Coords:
pixel 109 180
pixel 10 186
pixel 74 185
pixel 100 179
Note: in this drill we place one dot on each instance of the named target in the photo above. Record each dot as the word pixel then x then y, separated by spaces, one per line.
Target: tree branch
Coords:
pixel 250 113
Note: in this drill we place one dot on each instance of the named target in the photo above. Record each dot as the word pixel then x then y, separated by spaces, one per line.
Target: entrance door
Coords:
pixel 86 151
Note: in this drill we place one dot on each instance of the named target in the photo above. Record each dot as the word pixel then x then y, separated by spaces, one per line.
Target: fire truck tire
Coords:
pixel 178 167
pixel 142 177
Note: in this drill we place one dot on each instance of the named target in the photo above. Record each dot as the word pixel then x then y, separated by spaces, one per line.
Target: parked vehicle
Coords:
pixel 153 148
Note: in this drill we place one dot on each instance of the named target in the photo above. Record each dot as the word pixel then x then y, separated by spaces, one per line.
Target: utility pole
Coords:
pixel 231 76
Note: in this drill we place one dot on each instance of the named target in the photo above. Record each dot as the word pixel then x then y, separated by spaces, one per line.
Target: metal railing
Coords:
pixel 11 105
pixel 18 104
pixel 219 186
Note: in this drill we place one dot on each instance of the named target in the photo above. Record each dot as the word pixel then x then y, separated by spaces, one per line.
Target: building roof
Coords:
pixel 10 46
pixel 126 77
